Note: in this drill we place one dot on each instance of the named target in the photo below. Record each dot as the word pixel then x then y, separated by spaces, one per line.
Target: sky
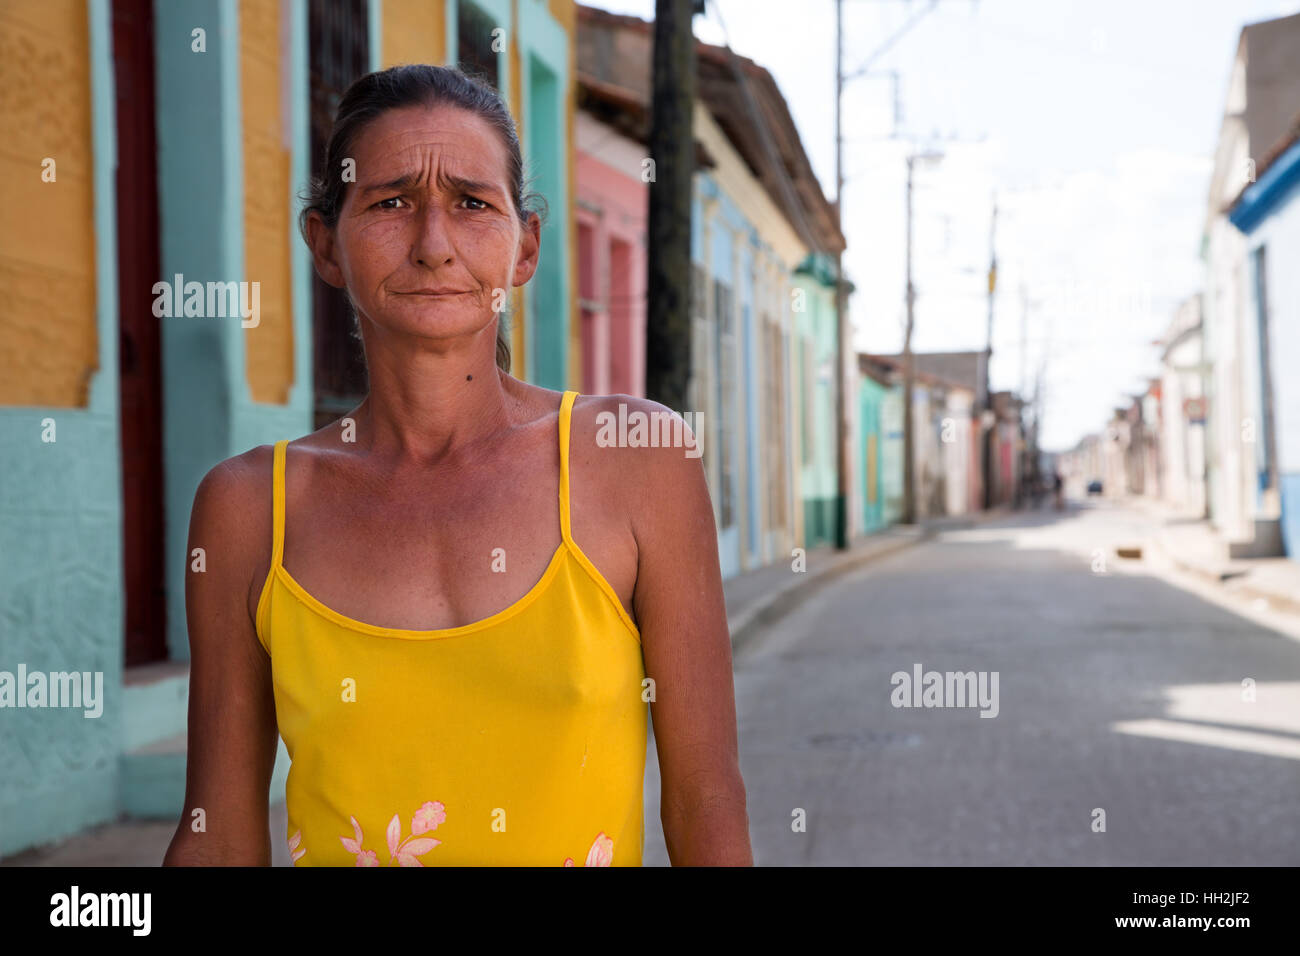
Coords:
pixel 1093 123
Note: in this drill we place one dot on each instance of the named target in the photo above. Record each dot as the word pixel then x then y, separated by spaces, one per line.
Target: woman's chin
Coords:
pixel 434 319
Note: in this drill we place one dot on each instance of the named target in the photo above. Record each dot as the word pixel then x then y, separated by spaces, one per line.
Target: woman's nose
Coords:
pixel 432 246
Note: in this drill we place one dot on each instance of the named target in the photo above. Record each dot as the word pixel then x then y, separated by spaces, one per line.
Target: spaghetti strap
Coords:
pixel 566 415
pixel 277 504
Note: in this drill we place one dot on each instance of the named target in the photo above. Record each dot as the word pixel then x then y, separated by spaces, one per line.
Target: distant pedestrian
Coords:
pixel 1058 485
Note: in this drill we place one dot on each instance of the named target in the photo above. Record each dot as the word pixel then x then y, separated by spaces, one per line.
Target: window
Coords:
pixel 775 414
pixel 591 306
pixel 699 290
pixel 726 356
pixel 805 410
pixel 697 391
pixel 621 308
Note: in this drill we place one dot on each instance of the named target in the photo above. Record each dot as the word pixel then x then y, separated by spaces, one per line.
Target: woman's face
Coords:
pixel 428 242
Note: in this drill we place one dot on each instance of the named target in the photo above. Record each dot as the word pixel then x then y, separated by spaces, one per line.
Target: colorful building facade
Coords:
pixel 749 237
pixel 169 142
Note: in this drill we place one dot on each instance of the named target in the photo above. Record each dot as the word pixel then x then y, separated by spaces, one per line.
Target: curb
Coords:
pixel 1239 582
pixel 782 601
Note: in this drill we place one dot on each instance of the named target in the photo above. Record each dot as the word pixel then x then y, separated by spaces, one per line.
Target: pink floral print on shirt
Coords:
pixel 295 854
pixel 400 852
pixel 600 854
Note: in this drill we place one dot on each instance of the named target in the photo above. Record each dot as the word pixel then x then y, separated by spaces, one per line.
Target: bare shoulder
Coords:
pixel 642 453
pixel 231 486
pixel 231 517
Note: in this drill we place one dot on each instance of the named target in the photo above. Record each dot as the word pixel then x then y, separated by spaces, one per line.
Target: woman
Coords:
pixel 454 603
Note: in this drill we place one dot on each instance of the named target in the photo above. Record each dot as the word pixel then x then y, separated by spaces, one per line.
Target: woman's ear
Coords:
pixel 529 251
pixel 320 238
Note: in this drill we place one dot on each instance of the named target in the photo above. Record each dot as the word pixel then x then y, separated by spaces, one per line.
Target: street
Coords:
pixel 1120 703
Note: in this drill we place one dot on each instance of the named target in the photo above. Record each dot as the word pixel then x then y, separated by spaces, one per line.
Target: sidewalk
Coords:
pixel 1193 545
pixel 128 842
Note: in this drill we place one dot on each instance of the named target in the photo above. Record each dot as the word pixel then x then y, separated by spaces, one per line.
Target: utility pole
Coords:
pixel 909 440
pixel 986 405
pixel 672 152
pixel 841 419
pixel 909 499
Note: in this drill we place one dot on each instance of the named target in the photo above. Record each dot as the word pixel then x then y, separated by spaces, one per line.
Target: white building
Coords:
pixel 1268 215
pixel 1263 93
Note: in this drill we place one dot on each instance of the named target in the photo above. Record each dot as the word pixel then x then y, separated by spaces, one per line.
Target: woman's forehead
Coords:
pixel 405 140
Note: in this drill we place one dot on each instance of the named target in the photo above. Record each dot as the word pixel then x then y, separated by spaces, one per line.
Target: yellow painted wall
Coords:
pixel 267 177
pixel 414 31
pixel 47 230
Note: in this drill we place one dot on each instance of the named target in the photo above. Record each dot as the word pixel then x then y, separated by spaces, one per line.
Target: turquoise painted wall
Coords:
pixel 62 599
pixel 544 64
pixel 208 412
pixel 61 582
pixel 891 458
pixel 871 396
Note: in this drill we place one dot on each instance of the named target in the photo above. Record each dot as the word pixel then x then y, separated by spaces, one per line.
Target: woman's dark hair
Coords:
pixel 416 85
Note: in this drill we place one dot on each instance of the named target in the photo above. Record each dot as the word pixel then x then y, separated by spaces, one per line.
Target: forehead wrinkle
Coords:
pixel 414 127
pixel 453 182
pixel 436 162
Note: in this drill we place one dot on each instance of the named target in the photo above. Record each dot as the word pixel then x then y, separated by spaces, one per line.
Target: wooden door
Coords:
pixel 139 346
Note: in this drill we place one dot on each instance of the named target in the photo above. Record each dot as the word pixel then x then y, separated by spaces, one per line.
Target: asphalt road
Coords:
pixel 1119 703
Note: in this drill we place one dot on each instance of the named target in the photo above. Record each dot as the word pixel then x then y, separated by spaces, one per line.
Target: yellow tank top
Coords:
pixel 519 739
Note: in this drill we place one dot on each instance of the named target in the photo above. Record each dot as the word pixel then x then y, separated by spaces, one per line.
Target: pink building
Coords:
pixel 611 215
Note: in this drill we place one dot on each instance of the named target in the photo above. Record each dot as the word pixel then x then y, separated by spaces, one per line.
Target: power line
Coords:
pixel 889 43
pixel 751 106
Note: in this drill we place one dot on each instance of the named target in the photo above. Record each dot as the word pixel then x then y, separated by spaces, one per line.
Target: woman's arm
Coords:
pixel 686 643
pixel 232 727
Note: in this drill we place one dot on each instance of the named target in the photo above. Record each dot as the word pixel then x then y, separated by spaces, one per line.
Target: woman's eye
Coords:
pixel 481 203
pixel 382 204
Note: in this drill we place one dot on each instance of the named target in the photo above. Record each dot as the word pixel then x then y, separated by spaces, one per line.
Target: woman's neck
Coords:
pixel 424 405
